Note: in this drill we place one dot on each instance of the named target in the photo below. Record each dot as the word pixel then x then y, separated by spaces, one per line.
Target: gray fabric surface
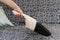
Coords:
pixel 45 11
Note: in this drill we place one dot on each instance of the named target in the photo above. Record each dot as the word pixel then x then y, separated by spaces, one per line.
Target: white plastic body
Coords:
pixel 30 22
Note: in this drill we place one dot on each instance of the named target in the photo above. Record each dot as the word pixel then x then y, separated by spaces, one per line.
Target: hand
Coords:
pixel 16 13
pixel 19 12
pixel 13 5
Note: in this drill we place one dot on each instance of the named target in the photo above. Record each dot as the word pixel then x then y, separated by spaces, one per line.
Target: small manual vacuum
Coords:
pixel 33 25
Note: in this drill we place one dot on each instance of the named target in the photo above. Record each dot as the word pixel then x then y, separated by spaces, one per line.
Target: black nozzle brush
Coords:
pixel 39 28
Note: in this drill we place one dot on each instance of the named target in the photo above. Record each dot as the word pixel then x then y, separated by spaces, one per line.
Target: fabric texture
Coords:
pixel 45 11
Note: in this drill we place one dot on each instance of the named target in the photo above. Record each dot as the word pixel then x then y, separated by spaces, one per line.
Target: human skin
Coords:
pixel 13 5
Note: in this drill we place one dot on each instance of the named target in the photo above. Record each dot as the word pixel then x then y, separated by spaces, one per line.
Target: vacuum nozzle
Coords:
pixel 41 29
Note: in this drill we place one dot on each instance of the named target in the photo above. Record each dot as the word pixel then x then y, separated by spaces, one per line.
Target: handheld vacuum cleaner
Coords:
pixel 33 25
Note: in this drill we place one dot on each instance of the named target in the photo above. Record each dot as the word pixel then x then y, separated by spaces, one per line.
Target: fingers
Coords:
pixel 17 13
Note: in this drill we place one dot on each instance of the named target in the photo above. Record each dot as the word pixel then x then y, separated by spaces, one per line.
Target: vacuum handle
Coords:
pixel 24 15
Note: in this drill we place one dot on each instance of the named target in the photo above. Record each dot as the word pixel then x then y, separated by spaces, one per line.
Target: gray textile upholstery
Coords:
pixel 45 11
